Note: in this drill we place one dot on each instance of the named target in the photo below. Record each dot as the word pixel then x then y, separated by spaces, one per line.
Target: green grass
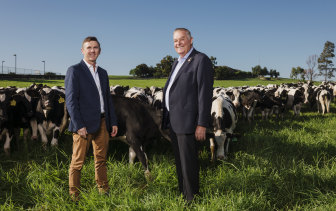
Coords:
pixel 275 164
pixel 130 81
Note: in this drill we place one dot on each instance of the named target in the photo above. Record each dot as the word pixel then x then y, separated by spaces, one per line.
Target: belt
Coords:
pixel 102 115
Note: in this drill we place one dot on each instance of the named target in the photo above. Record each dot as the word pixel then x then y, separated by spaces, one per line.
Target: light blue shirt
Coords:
pixel 172 78
pixel 95 76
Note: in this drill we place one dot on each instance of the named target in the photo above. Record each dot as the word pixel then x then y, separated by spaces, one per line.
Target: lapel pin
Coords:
pixel 189 60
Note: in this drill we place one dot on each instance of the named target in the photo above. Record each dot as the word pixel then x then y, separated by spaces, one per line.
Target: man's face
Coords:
pixel 182 42
pixel 91 51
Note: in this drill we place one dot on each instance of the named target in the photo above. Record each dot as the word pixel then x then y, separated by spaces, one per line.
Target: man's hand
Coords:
pixel 114 131
pixel 200 133
pixel 82 132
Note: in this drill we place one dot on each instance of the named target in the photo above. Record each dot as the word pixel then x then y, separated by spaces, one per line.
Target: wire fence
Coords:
pixel 23 71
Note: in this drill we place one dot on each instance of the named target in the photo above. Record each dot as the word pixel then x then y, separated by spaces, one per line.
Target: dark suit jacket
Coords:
pixel 190 96
pixel 82 99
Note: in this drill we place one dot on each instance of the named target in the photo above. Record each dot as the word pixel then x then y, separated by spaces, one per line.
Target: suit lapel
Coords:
pixel 170 74
pixel 101 80
pixel 88 74
pixel 185 65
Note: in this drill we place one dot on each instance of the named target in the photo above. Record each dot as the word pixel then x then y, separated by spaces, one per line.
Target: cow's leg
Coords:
pixel 328 106
pixel 220 146
pixel 9 138
pixel 49 127
pixel 250 114
pixel 131 155
pixel 268 111
pixel 33 125
pixel 142 158
pixel 298 109
pixel 25 134
pixel 294 110
pixel 56 134
pixel 323 107
pixel 271 112
pixel 253 108
pixel 244 113
pixel 226 145
pixel 212 149
pixel 17 138
pixel 263 114
pixel 43 135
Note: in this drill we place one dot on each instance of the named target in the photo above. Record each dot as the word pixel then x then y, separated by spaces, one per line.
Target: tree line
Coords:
pixel 163 69
pixel 323 63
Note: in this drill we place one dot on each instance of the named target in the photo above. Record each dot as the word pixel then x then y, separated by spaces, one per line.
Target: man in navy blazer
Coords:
pixel 187 107
pixel 92 116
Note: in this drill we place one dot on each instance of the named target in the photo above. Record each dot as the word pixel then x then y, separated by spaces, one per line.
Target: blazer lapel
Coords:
pixel 88 74
pixel 185 65
pixel 102 81
pixel 170 74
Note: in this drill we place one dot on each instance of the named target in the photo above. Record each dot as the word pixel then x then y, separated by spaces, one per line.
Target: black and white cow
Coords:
pixel 248 101
pixel 52 106
pixel 323 99
pixel 270 104
pixel 224 117
pixel 295 100
pixel 119 90
pixel 139 94
pixel 139 124
pixel 157 99
pixel 18 113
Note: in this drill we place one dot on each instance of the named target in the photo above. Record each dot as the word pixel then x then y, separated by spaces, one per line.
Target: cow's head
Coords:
pixel 235 98
pixel 51 98
pixel 3 108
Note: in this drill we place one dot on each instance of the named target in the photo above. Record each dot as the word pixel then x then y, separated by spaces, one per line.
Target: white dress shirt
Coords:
pixel 172 78
pixel 95 76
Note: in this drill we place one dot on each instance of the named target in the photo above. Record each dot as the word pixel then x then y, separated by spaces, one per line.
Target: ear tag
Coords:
pixel 61 100
pixel 12 103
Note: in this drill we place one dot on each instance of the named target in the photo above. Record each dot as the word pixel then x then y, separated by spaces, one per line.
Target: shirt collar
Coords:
pixel 90 66
pixel 186 56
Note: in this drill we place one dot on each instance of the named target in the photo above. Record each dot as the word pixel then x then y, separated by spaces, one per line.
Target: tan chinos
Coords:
pixel 80 148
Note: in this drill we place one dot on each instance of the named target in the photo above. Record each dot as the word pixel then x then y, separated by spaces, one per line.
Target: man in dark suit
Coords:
pixel 92 116
pixel 187 107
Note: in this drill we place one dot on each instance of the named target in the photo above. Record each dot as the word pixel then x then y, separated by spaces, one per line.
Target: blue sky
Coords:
pixel 241 34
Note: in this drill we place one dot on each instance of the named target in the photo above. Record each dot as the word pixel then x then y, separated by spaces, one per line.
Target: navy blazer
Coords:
pixel 82 99
pixel 190 96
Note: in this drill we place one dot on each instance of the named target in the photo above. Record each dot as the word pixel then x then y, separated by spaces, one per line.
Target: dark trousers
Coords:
pixel 187 164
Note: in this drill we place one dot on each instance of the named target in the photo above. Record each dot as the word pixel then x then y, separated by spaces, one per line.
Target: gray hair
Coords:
pixel 185 30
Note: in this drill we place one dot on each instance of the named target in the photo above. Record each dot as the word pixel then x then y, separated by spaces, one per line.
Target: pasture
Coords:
pixel 287 164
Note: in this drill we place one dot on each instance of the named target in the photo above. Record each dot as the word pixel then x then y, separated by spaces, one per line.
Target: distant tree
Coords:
pixel 213 61
pixel 50 74
pixel 225 73
pixel 276 74
pixel 310 72
pixel 258 71
pixel 264 71
pixel 157 72
pixel 142 71
pixel 297 71
pixel 164 67
pixel 325 64
pixel 272 73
